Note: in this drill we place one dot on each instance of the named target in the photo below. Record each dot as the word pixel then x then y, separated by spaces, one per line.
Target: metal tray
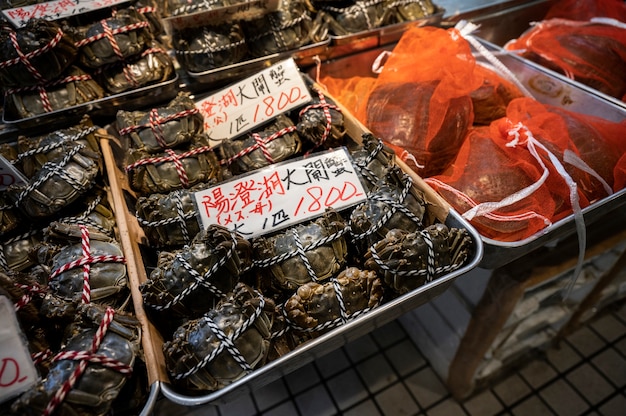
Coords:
pixel 368 39
pixel 104 107
pixel 217 77
pixel 310 350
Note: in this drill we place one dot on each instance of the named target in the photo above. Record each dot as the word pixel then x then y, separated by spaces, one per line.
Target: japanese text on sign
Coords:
pixel 9 175
pixel 17 371
pixel 252 101
pixel 56 9
pixel 282 195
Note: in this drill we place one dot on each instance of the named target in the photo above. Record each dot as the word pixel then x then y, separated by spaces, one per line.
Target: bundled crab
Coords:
pixel 355 16
pixel 74 288
pixel 47 66
pixel 59 167
pixel 229 41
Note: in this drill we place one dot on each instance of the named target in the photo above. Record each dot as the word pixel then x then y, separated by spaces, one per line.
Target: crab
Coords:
pixel 393 203
pixel 173 169
pixel 408 260
pixel 124 35
pixel 177 123
pixel 313 251
pixel 408 10
pixel 276 142
pixel 98 356
pixel 90 268
pixel 288 28
pixel 319 307
pixel 152 66
pixel 209 47
pixel 61 166
pixel 35 54
pixel 169 220
pixel 15 251
pixel 190 281
pixel 321 122
pixel 373 159
pixel 73 88
pixel 224 345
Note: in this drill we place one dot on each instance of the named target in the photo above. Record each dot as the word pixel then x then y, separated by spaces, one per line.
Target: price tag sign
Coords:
pixel 253 101
pixel 56 9
pixel 9 175
pixel 17 371
pixel 244 10
pixel 283 194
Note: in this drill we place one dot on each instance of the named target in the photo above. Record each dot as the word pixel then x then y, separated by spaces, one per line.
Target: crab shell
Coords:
pixel 278 149
pixel 130 41
pixel 76 91
pixel 216 255
pixel 325 260
pixel 169 220
pixel 210 47
pixel 163 176
pixel 314 304
pixel 69 171
pixel 34 36
pixel 409 10
pixel 106 279
pixel 16 252
pixel 97 388
pixel 373 159
pixel 195 340
pixel 313 123
pixel 148 68
pixel 177 130
pixel 393 203
pixel 285 29
pixel 407 261
pixel 357 16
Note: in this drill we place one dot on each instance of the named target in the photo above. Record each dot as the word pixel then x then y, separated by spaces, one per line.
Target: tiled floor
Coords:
pixel 383 373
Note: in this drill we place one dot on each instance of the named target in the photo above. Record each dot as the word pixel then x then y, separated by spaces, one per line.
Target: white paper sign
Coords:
pixel 282 195
pixel 56 9
pixel 17 371
pixel 253 101
pixel 9 175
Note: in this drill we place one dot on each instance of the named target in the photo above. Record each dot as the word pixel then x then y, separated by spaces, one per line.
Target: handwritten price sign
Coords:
pixel 282 195
pixel 253 101
pixel 17 371
pixel 56 9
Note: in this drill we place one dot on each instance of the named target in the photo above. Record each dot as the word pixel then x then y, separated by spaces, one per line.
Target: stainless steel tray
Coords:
pixel 368 39
pixel 104 107
pixel 217 77
pixel 311 349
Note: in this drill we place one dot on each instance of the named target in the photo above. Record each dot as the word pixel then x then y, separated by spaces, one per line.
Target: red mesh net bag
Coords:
pixel 420 101
pixel 588 9
pixel 509 174
pixel 492 97
pixel 588 147
pixel 592 53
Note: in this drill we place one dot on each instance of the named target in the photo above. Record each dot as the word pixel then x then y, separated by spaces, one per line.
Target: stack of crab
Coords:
pixel 67 278
pixel 226 305
pixel 47 66
pixel 207 46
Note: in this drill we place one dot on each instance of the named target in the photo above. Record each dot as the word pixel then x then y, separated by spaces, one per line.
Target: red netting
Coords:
pixel 620 174
pixel 591 53
pixel 474 179
pixel 588 9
